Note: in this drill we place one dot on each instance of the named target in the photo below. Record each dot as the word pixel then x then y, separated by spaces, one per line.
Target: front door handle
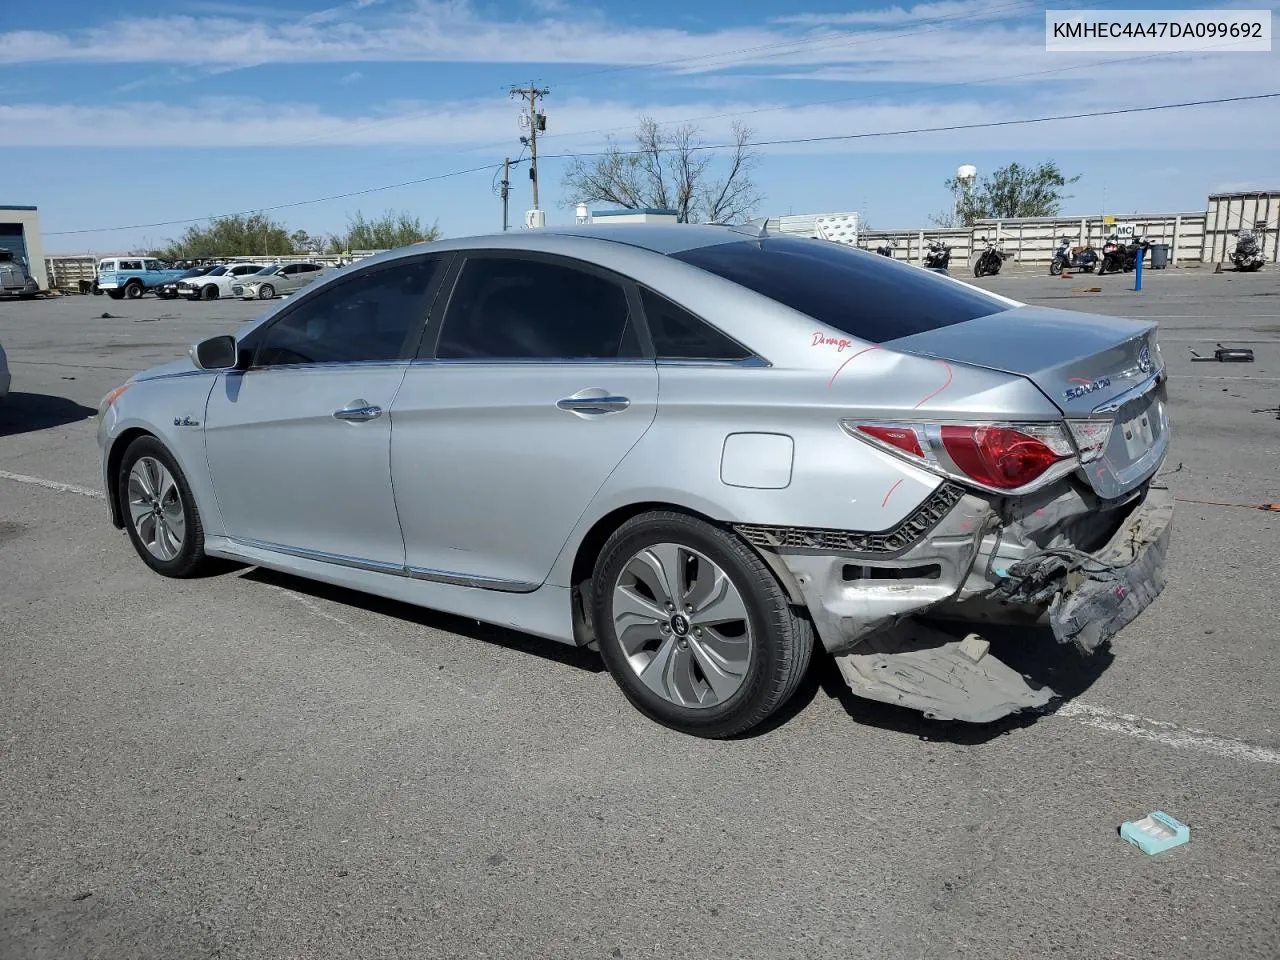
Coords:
pixel 594 405
pixel 358 411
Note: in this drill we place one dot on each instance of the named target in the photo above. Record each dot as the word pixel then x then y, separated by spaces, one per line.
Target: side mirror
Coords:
pixel 216 353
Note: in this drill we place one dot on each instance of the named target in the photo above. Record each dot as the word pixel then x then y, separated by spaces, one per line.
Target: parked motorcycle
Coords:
pixel 885 249
pixel 1119 256
pixel 1113 256
pixel 1067 257
pixel 1247 256
pixel 990 260
pixel 938 256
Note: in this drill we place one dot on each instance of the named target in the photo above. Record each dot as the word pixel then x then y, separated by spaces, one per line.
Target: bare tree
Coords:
pixel 670 170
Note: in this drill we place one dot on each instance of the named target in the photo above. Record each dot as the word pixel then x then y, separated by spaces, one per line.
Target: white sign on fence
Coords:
pixel 1124 231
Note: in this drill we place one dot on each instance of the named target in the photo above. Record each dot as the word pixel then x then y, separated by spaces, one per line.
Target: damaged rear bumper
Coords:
pixel 982 561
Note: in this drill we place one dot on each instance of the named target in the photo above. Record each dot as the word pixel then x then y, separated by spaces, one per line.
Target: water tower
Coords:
pixel 966 173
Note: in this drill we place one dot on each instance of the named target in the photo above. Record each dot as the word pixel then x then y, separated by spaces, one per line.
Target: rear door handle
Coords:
pixel 594 405
pixel 358 411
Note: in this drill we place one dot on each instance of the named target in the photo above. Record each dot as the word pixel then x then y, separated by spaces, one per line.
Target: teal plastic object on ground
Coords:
pixel 1155 832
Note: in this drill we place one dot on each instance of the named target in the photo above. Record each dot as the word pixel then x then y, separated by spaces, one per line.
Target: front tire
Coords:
pixel 1055 268
pixel 266 292
pixel 209 292
pixel 159 511
pixel 694 627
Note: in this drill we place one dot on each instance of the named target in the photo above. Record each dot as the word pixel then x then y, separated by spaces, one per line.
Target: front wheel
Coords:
pixel 979 269
pixel 159 511
pixel 1055 268
pixel 209 292
pixel 694 627
pixel 266 292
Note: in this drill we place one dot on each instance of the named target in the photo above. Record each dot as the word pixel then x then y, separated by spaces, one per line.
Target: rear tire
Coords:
pixel 133 290
pixel 115 294
pixel 696 604
pixel 159 511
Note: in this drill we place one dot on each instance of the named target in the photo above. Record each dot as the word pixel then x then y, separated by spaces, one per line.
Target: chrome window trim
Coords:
pixel 489 361
pixel 449 577
pixel 327 365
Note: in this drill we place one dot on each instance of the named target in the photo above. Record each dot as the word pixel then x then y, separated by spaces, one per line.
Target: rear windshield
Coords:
pixel 865 295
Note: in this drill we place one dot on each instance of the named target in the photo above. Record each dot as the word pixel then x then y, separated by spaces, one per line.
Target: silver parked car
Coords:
pixel 696 449
pixel 278 280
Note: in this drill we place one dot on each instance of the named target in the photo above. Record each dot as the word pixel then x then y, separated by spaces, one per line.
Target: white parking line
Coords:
pixel 52 485
pixel 1169 734
pixel 1126 724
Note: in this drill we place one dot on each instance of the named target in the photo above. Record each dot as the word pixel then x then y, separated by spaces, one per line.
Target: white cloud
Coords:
pixel 475 131
pixel 432 30
pixel 897 15
pixel 353 77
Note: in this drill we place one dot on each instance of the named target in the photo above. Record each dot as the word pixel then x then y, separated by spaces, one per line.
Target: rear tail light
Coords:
pixel 997 456
pixel 1091 437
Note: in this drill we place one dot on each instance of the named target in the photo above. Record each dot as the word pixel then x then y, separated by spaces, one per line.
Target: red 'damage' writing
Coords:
pixel 840 343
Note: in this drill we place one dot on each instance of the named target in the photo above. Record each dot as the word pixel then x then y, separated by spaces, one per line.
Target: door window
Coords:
pixel 373 316
pixel 509 308
pixel 679 335
pixel 130 264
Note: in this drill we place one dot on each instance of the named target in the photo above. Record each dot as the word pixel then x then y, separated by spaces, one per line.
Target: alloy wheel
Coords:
pixel 683 625
pixel 155 508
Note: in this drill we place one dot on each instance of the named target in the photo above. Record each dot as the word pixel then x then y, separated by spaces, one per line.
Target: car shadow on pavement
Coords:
pixel 551 650
pixel 1032 651
pixel 29 412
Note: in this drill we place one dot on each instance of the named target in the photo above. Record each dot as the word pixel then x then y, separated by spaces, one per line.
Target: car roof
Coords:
pixel 659 237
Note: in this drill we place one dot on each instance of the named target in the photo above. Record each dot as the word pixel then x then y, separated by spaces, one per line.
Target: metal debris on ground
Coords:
pixel 1155 833
pixel 1086 289
pixel 1225 355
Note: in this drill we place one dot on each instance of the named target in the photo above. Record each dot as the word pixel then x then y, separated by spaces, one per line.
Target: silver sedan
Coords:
pixel 699 450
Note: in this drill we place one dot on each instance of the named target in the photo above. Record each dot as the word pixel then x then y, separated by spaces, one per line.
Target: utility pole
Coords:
pixel 506 189
pixel 537 123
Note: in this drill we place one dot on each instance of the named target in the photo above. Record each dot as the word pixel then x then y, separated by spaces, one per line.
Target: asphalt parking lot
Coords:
pixel 252 765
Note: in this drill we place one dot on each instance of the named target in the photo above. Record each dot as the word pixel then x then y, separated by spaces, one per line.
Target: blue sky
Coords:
pixel 120 113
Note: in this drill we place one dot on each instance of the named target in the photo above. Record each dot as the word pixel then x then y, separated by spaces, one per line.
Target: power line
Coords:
pixel 909 131
pixel 986 124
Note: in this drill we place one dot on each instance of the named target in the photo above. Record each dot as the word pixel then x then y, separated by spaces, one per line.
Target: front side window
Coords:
pixel 152 265
pixel 864 295
pixel 370 317
pixel 679 335
pixel 509 308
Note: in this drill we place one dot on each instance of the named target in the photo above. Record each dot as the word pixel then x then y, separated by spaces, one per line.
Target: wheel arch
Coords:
pixel 588 549
pixel 115 454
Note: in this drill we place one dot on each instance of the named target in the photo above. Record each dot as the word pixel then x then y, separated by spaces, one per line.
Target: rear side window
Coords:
pixel 509 308
pixel 679 335
pixel 864 295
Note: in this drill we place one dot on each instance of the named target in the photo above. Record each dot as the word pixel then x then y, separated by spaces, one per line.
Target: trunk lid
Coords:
pixel 1089 366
